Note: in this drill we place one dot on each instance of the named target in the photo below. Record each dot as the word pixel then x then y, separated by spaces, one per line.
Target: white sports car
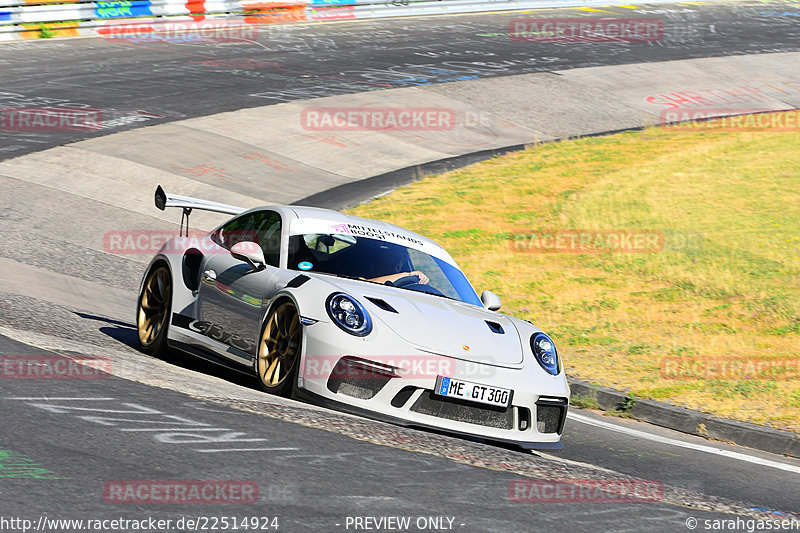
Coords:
pixel 356 314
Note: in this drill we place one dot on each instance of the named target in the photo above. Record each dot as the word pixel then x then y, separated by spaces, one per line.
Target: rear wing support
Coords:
pixel 164 200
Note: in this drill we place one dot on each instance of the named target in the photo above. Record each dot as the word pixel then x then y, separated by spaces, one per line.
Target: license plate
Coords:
pixel 473 392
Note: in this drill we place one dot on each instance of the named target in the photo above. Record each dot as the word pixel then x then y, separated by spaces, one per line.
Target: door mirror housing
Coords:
pixel 490 301
pixel 249 252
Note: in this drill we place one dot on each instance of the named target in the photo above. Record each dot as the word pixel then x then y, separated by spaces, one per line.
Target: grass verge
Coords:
pixel 708 318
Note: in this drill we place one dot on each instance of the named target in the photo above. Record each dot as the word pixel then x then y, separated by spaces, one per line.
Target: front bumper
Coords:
pixel 398 388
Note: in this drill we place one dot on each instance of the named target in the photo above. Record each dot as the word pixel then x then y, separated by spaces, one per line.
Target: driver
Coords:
pixel 392 261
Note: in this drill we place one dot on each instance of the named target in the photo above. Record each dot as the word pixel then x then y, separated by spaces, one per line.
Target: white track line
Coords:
pixel 248 450
pixel 682 444
pixel 54 398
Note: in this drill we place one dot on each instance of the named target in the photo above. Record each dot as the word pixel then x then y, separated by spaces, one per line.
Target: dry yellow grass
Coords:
pixel 725 284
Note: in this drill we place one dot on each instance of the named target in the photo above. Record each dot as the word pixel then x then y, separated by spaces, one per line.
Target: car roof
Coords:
pixel 305 220
pixel 341 222
pixel 320 220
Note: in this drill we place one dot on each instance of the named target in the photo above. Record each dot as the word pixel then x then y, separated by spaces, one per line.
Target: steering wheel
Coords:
pixel 406 280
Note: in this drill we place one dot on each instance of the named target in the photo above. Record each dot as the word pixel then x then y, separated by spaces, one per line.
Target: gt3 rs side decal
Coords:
pixel 216 333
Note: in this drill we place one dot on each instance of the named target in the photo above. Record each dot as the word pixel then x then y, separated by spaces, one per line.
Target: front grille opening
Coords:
pixel 524 423
pixel 358 378
pixel 551 415
pixel 401 398
pixel 463 411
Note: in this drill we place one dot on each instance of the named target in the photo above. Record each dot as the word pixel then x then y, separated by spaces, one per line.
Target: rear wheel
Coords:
pixel 153 309
pixel 279 350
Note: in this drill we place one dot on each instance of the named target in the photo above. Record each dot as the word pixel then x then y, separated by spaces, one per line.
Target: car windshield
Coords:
pixel 379 261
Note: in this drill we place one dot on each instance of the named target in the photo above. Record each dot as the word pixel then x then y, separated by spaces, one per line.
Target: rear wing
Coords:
pixel 164 200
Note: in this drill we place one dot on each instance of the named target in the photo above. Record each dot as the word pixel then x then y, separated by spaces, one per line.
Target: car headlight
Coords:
pixel 348 314
pixel 544 349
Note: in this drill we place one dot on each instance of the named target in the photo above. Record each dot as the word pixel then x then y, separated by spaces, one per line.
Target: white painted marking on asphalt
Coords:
pixel 173 420
pixel 47 398
pixel 161 430
pixel 248 450
pixel 681 444
pixel 189 433
pixel 135 409
pixel 190 437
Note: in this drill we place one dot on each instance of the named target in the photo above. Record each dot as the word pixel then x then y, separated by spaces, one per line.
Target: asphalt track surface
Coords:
pixel 136 82
pixel 314 468
pixel 89 434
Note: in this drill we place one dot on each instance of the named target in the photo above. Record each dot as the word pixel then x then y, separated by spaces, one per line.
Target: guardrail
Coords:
pixel 32 19
pixel 20 20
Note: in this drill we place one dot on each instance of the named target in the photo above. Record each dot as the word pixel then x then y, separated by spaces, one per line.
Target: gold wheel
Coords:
pixel 151 319
pixel 279 349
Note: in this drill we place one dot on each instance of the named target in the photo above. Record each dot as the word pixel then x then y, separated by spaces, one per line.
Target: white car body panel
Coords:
pixel 451 337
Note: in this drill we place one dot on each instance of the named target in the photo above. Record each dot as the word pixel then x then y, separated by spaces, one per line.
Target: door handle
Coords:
pixel 209 276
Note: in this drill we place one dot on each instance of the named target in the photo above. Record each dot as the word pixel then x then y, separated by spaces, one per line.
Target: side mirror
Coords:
pixel 249 252
pixel 490 301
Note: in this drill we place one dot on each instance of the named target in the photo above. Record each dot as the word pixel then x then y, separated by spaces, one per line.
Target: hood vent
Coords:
pixel 495 327
pixel 382 304
pixel 297 281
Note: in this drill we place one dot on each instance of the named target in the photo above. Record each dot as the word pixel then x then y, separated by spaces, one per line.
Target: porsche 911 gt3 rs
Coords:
pixel 356 314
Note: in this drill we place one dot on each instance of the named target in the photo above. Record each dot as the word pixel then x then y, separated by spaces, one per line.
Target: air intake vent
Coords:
pixel 191 268
pixel 382 304
pixel 524 419
pixel 401 398
pixel 461 411
pixel 495 327
pixel 297 281
pixel 359 378
pixel 550 415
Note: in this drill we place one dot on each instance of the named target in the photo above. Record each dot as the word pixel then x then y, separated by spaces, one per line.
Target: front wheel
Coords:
pixel 279 350
pixel 153 310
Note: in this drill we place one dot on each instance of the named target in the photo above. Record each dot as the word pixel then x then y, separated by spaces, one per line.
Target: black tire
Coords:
pixel 153 310
pixel 278 355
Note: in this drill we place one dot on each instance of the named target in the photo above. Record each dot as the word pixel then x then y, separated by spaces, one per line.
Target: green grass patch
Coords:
pixel 723 282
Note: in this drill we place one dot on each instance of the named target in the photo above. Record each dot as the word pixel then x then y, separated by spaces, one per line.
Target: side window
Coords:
pixel 263 227
pixel 233 232
pixel 325 252
pixel 267 228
